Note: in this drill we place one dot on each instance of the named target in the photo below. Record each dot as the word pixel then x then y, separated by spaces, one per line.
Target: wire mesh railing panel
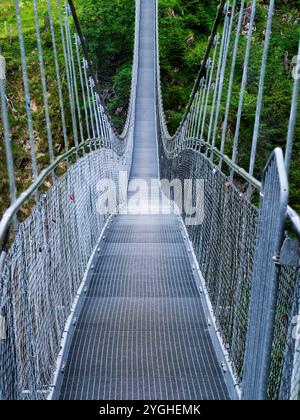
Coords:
pixel 210 144
pixel 43 271
pixel 224 245
pixel 265 279
pixel 242 253
pixel 283 362
pixel 290 385
pixel 43 261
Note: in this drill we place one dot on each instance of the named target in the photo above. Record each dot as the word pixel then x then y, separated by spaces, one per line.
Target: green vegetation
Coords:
pixel 10 49
pixel 184 29
pixel 108 26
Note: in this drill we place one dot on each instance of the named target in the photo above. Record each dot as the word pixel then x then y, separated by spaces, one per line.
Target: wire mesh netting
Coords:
pixel 43 271
pixel 236 245
pixel 225 247
pixel 285 357
pixel 226 244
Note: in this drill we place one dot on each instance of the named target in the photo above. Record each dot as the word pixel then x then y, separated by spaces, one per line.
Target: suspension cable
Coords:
pixel 202 71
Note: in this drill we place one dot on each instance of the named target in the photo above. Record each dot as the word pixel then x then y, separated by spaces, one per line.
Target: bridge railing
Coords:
pixel 43 258
pixel 245 250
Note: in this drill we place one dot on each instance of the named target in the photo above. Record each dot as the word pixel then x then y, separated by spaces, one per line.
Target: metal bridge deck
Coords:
pixel 142 332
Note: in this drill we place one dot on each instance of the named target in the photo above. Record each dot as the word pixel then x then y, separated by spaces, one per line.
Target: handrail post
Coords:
pixel 263 301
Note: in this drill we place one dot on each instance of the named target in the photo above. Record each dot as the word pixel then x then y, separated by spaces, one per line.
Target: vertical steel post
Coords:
pixel 217 80
pixel 196 110
pixel 43 80
pixel 77 43
pixel 216 41
pixel 233 64
pixel 26 91
pixel 6 132
pixel 58 77
pixel 208 70
pixel 201 95
pixel 92 86
pixel 73 77
pixel 243 88
pixel 100 115
pixel 85 65
pixel 261 89
pixel 69 85
pixel 222 77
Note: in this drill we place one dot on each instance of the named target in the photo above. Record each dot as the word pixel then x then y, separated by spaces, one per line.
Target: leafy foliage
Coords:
pixel 10 49
pixel 184 29
pixel 108 26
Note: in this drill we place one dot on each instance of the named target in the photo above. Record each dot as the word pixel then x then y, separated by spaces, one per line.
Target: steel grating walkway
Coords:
pixel 141 332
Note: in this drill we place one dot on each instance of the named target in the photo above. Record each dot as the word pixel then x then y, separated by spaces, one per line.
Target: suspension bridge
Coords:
pixel 147 304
